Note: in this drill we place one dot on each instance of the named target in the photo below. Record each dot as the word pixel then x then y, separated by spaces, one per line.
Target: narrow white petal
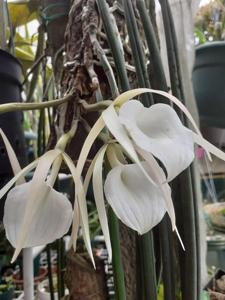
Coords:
pixel 159 131
pixel 93 134
pixel 99 198
pixel 89 173
pixel 208 146
pixel 101 210
pixel 80 197
pixel 22 173
pixel 75 227
pixel 12 157
pixel 50 221
pixel 136 202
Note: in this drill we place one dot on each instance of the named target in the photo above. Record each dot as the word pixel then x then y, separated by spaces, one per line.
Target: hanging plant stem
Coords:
pixel 153 47
pixel 40 138
pixel 60 268
pixel 17 106
pixel 137 52
pixel 140 275
pixel 34 66
pixel 3 27
pixel 50 280
pixel 197 230
pixel 112 38
pixel 116 256
pixel 166 241
pixel 188 259
pixel 146 246
pixel 39 53
pixel 172 53
pixel 186 191
pixel 165 235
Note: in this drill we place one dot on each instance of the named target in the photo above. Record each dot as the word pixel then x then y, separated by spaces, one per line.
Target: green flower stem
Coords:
pixel 140 275
pixel 137 52
pixel 188 259
pixel 118 272
pixel 17 106
pixel 195 178
pixel 146 246
pixel 167 259
pixel 112 38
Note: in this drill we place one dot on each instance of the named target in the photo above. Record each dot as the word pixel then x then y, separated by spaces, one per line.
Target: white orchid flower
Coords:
pixel 33 210
pixel 35 213
pixel 139 193
pixel 137 139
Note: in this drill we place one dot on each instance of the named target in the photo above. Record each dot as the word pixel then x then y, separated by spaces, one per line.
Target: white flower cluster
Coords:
pixel 149 147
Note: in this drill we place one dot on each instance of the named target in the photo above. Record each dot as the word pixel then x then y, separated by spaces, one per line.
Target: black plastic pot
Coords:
pixel 209 83
pixel 10 123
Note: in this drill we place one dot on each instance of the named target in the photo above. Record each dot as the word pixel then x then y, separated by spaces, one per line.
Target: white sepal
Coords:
pixel 80 197
pixel 12 157
pixel 99 198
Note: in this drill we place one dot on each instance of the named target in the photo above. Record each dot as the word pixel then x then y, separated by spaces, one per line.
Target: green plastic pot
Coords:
pixel 209 83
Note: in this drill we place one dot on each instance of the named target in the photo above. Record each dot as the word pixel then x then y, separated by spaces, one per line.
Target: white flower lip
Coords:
pixel 158 130
pixel 50 222
pixel 136 202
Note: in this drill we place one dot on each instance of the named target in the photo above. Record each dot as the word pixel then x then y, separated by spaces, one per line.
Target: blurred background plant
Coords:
pixel 210 22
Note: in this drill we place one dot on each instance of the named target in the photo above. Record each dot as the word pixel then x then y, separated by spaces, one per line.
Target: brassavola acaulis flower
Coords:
pixel 143 137
pixel 49 222
pixel 35 213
